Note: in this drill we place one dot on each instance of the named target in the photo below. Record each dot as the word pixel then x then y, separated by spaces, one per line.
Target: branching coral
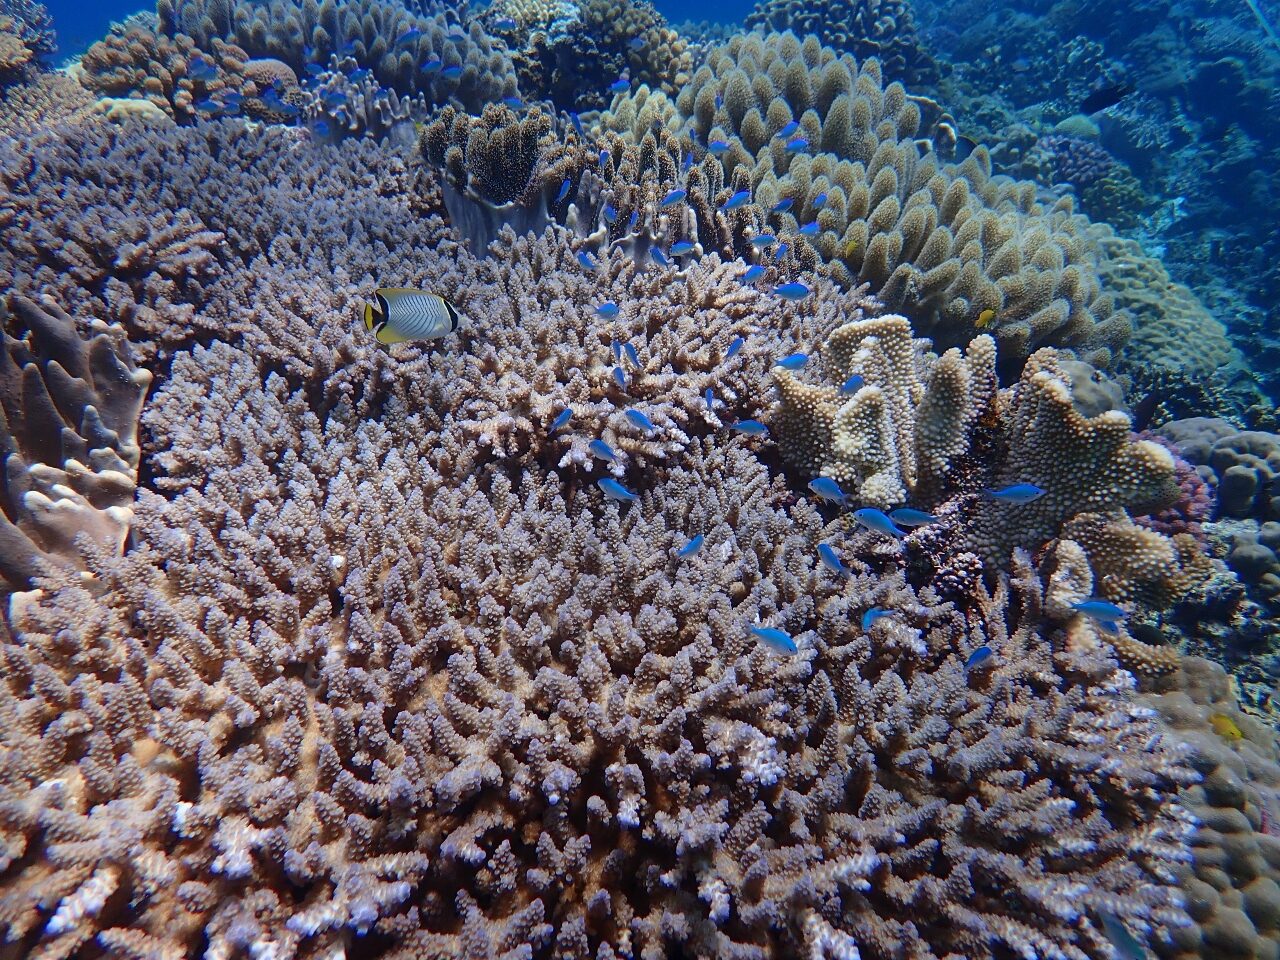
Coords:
pixel 68 436
pixel 394 675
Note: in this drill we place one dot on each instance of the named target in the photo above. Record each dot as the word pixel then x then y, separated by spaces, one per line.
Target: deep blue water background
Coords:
pixel 79 23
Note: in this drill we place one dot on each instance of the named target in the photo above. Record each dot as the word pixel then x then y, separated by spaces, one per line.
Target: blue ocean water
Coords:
pixel 610 479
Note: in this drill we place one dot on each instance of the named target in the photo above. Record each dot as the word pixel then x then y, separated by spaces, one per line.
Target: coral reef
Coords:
pixel 938 243
pixel 570 53
pixel 27 39
pixel 43 101
pixel 69 410
pixel 1232 884
pixel 384 37
pixel 884 29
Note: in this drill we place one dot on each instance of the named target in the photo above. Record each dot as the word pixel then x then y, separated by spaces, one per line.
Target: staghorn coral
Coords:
pixel 69 410
pixel 30 25
pixel 883 29
pixel 361 676
pixel 367 33
pixel 938 243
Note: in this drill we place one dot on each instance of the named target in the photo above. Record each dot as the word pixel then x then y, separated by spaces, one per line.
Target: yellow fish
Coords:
pixel 400 314
pixel 985 319
pixel 850 249
pixel 1225 727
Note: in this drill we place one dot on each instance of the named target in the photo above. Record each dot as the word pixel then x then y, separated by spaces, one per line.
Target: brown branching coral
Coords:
pixel 69 410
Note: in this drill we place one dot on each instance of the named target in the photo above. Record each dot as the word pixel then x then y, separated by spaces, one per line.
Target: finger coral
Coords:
pixel 884 29
pixel 952 247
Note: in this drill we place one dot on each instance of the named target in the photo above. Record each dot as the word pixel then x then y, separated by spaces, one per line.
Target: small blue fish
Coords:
pixel 620 377
pixel 688 162
pixel 754 273
pixel 577 125
pixel 810 229
pixel 621 85
pixel 608 311
pixel 230 96
pixel 831 560
pixel 334 98
pixel 760 241
pixel 515 103
pixel 710 396
pixel 602 451
pixel 614 490
pixel 313 69
pixel 504 23
pixel 690 548
pixel 1019 493
pixel 636 43
pixel 906 517
pixel 718 147
pixel 635 216
pixel 776 640
pixel 979 658
pixel 672 198
pixel 878 522
pixel 561 419
pixel 681 247
pixel 792 291
pixel 852 385
pixel 793 361
pixel 452 73
pixel 1126 945
pixel 752 428
pixel 432 66
pixel 564 191
pixel 639 419
pixel 828 489
pixel 410 35
pixel 734 346
pixel 585 259
pixel 604 157
pixel 207 106
pixel 819 201
pixel 617 350
pixel 871 616
pixel 789 129
pixel 783 205
pixel 321 128
pixel 659 257
pixel 737 200
pixel 358 75
pixel 1100 610
pixel 719 100
pixel 1109 626
pixel 781 251
pixel 631 353
pixel 610 214
pixel 798 145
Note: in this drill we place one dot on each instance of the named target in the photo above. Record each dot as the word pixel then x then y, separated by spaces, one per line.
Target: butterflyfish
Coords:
pixel 400 314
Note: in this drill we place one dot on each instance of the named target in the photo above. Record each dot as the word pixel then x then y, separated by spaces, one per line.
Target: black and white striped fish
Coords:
pixel 402 314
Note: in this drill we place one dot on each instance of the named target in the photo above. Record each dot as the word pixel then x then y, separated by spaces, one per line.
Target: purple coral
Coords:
pixel 1075 160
